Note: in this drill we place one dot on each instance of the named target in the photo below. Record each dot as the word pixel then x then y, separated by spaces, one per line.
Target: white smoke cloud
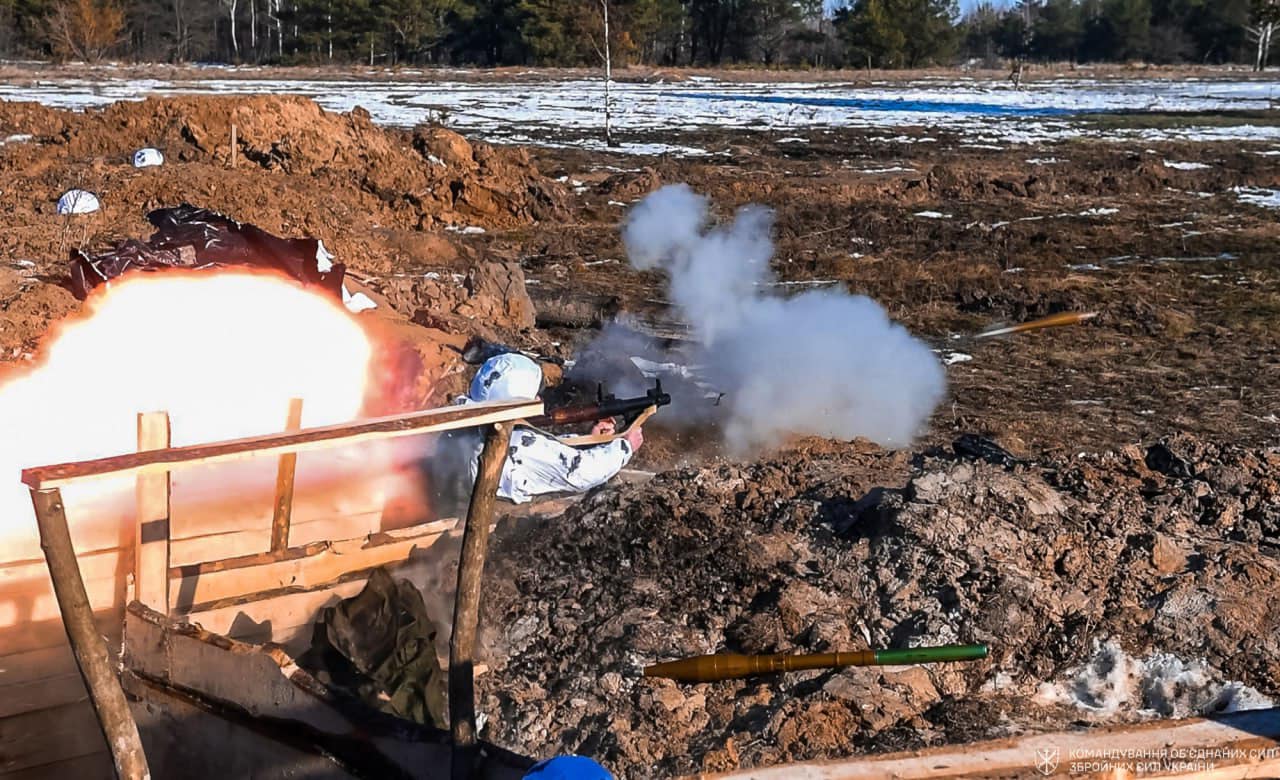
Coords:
pixel 823 363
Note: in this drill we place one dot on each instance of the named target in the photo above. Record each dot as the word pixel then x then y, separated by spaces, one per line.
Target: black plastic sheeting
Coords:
pixel 191 237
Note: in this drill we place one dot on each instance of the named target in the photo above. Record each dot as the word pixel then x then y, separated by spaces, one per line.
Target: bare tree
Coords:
pixel 84 29
pixel 1266 17
pixel 230 5
pixel 273 16
pixel 181 30
pixel 607 58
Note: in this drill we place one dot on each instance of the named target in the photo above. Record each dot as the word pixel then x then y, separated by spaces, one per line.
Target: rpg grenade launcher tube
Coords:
pixel 731 666
pixel 606 406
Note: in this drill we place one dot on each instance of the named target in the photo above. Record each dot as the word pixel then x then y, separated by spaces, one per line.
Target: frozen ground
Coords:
pixel 567 112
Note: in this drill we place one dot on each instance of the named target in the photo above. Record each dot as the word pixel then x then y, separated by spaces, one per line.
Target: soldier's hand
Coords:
pixel 634 437
pixel 604 428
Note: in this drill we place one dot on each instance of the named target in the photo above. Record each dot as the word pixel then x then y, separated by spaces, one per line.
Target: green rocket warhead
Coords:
pixel 731 666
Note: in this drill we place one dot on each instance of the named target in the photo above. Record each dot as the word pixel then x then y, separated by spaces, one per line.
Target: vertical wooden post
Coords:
pixel 87 644
pixel 466 605
pixel 284 483
pixel 151 539
pixel 233 145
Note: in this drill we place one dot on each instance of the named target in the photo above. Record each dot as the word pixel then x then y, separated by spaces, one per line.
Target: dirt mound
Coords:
pixel 380 199
pixel 1164 549
pixel 433 174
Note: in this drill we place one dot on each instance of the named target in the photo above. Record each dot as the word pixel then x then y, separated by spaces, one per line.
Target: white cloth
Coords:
pixel 78 202
pixel 538 464
pixel 147 158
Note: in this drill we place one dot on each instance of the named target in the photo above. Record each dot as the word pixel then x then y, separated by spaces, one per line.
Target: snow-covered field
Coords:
pixel 568 111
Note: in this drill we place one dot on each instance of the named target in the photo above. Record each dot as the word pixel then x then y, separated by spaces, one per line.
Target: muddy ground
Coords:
pixel 1095 530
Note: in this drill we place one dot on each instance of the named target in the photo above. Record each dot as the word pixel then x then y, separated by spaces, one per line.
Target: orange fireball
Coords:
pixel 221 352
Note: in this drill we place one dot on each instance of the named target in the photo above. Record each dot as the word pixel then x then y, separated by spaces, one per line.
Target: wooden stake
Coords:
pixel 151 540
pixel 87 644
pixel 233 145
pixel 466 605
pixel 284 483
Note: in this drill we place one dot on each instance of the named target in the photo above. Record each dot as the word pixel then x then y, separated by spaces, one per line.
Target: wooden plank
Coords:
pixel 42 694
pixel 1241 745
pixel 283 507
pixel 20 668
pixel 102 564
pixel 228 671
pixel 37 738
pixel 187 742
pixel 151 540
pixel 215 547
pixel 34 601
pixel 30 599
pixel 235 680
pixel 307 567
pixel 25 644
pixel 378 428
pixel 272 613
pixel 335 483
pixel 94 766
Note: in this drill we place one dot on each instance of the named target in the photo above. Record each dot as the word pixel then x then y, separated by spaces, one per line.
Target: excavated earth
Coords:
pixel 1140 506
pixel 1172 549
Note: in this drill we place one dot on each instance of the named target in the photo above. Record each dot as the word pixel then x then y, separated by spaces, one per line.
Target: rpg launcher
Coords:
pixel 605 407
pixel 633 411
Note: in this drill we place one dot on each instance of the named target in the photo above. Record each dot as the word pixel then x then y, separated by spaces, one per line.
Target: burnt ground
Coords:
pixel 1099 533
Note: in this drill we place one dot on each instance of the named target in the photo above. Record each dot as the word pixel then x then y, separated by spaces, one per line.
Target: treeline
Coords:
pixel 792 33
pixel 1155 31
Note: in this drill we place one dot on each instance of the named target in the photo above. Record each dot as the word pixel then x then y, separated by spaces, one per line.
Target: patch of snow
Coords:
pixel 891 169
pixel 542 111
pixel 1085 267
pixel 1257 196
pixel 952 358
pixel 932 215
pixel 17 138
pixel 1160 685
pixel 1098 212
pixel 469 230
pixel 1044 161
pixel 1186 166
pixel 795 139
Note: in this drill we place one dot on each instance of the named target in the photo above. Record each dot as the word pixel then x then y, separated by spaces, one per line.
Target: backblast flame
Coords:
pixel 221 352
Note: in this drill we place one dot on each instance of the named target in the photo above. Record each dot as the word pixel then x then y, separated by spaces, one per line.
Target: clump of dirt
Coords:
pixel 27 307
pixel 1167 549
